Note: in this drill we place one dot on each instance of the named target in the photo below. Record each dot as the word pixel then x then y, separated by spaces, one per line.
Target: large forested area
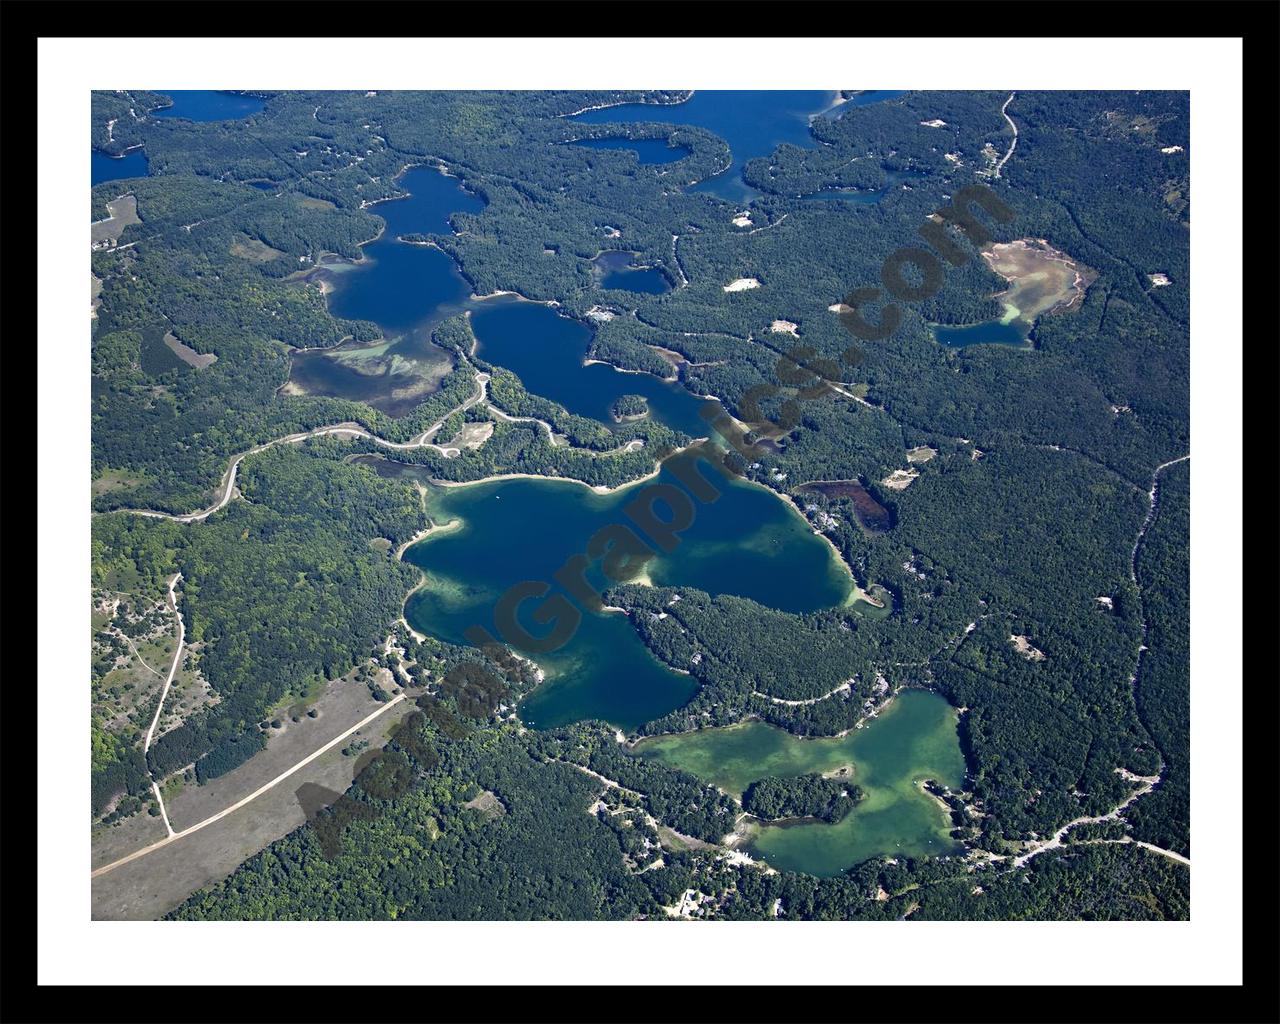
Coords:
pixel 1022 525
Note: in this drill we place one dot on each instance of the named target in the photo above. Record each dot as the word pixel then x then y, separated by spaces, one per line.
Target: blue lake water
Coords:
pixel 105 168
pixel 400 285
pixel 650 151
pixel 753 123
pixel 209 105
pixel 546 351
pixel 406 290
pixel 191 104
pixel 616 271
pixel 993 332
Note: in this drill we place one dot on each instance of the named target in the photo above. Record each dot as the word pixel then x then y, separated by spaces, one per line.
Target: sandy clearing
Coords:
pixel 1023 645
pixel 900 479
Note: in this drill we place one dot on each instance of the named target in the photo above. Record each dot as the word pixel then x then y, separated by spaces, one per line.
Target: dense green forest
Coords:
pixel 559 844
pixel 806 796
pixel 1003 562
pixel 1163 694
pixel 282 588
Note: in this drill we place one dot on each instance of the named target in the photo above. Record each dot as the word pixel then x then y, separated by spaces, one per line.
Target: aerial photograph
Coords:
pixel 638 505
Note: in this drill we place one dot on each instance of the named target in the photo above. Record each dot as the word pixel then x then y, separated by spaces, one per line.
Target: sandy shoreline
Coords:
pixel 452 526
pixel 589 361
pixel 858 594
pixel 596 488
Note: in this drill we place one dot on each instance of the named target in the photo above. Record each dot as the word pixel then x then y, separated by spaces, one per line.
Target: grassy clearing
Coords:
pixel 254 249
pixel 292 704
pixel 123 211
pixel 188 355
pixel 116 480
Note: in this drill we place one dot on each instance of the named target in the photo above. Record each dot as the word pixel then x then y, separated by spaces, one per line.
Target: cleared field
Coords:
pixel 111 842
pixel 254 249
pixel 116 480
pixel 189 693
pixel 188 355
pixel 473 435
pixel 132 645
pixel 342 705
pixel 124 211
pixel 1042 279
pixel 147 888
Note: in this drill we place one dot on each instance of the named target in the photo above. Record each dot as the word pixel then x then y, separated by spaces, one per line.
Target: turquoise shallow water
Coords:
pixel 912 740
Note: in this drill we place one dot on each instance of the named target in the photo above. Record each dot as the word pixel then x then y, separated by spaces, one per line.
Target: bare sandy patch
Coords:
pixel 742 284
pixel 488 804
pixel 1023 646
pixel 473 435
pixel 921 453
pixel 785 327
pixel 900 479
pixel 1042 279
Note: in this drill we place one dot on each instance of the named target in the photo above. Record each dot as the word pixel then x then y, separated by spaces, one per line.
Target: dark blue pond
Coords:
pixel 547 350
pixel 405 289
pixel 209 105
pixel 401 285
pixel 993 332
pixel 753 123
pixel 105 168
pixel 616 271
pixel 650 151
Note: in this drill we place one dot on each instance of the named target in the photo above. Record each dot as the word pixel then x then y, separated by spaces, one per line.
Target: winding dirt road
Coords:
pixel 173 668
pixel 1014 144
pixel 227 487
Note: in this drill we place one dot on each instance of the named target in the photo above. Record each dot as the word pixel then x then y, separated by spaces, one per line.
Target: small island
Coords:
pixel 629 407
pixel 805 796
